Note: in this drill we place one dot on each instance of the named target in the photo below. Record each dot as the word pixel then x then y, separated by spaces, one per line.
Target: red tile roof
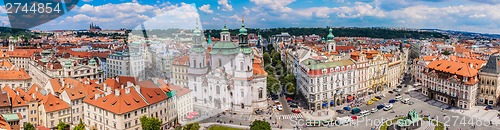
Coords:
pixel 52 103
pixel 453 67
pixel 152 93
pixel 120 104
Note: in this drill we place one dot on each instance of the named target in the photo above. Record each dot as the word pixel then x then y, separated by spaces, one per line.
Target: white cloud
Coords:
pixel 206 9
pixel 224 5
pixel 275 5
pixel 246 11
pixel 87 0
pixel 358 10
pixel 476 15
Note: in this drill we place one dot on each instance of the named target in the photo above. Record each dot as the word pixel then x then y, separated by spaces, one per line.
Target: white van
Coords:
pixel 343 120
pixel 364 113
pixel 406 101
pixel 398 98
pixel 388 107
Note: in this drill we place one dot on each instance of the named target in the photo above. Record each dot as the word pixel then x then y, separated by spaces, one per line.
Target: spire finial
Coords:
pixel 242 21
pixel 225 23
pixel 196 23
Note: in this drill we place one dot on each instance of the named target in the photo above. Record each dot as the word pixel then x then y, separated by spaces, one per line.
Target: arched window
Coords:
pixel 220 62
pixel 200 65
pixel 217 89
pixel 241 66
pixel 260 93
pixel 194 65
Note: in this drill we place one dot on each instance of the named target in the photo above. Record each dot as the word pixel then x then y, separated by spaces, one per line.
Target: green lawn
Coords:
pixel 218 127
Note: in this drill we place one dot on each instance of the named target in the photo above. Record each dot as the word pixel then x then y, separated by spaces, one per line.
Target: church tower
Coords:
pixel 225 36
pixel 243 36
pixel 330 43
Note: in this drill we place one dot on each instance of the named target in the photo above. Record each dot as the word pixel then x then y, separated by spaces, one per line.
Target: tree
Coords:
pixel 80 126
pixel 446 52
pixel 29 126
pixel 267 58
pixel 290 88
pixel 150 123
pixel 276 58
pixel 260 125
pixel 272 84
pixel 62 126
pixel 192 126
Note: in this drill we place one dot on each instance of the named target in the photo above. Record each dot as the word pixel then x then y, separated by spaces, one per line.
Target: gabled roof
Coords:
pixel 52 103
pixel 56 86
pixel 453 67
pixel 152 93
pixel 120 104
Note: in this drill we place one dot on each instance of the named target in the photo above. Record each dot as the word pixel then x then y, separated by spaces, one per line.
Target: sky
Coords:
pixel 481 16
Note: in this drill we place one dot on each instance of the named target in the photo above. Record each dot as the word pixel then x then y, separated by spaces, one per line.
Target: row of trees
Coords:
pixel 341 32
pixel 275 68
pixel 147 123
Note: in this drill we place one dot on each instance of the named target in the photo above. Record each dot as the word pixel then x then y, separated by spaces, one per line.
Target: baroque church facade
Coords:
pixel 227 75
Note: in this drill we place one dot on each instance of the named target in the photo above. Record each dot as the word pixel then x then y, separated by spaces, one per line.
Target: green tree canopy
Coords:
pixel 192 126
pixel 260 125
pixel 267 58
pixel 80 126
pixel 272 84
pixel 150 123
pixel 29 126
pixel 62 126
pixel 290 88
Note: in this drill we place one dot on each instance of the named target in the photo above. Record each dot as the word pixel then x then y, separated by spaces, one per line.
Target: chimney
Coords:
pixel 137 88
pixel 117 92
pixel 470 65
pixel 96 96
pixel 117 79
pixel 122 86
pixel 127 90
pixel 62 82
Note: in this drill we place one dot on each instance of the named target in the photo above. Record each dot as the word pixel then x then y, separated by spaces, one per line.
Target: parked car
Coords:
pixel 391 92
pixel 399 94
pixel 343 120
pixel 369 103
pixel 388 107
pixel 398 90
pixel 411 103
pixel 296 111
pixel 374 110
pixel 378 97
pixel 398 98
pixel 365 113
pixel 392 101
pixel 340 111
pixel 375 99
pixel 293 105
pixel 279 107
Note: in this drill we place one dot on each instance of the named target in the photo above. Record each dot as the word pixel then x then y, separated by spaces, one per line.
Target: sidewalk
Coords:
pixel 479 113
pixel 319 115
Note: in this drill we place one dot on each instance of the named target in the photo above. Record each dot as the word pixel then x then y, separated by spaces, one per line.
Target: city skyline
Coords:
pixel 462 15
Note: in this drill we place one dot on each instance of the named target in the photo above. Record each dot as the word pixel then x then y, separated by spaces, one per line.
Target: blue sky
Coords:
pixel 465 15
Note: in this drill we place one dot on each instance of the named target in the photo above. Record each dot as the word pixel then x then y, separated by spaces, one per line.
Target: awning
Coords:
pixel 332 102
pixel 350 97
pixel 325 104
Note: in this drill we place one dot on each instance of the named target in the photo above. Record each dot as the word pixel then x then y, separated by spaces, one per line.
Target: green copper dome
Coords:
pixel 243 30
pixel 330 35
pixel 225 29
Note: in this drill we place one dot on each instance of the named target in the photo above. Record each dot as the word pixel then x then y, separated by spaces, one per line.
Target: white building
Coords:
pixel 233 79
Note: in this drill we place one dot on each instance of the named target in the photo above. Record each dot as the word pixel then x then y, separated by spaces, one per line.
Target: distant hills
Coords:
pixel 385 33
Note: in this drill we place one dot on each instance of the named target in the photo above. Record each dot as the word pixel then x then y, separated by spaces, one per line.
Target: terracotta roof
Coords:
pixel 182 60
pixel 56 86
pixel 111 83
pixel 476 63
pixel 179 91
pixel 152 93
pixel 34 88
pixel 10 72
pixel 9 90
pixel 4 100
pixel 4 125
pixel 453 67
pixel 258 70
pixel 24 53
pixel 76 92
pixel 429 58
pixel 52 103
pixel 124 79
pixel 120 104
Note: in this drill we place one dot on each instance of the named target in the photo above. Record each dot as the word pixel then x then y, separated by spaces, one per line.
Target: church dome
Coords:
pixel 330 35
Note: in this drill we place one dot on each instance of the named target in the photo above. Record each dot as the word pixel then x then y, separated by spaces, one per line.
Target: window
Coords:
pixel 260 93
pixel 217 89
pixel 241 66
